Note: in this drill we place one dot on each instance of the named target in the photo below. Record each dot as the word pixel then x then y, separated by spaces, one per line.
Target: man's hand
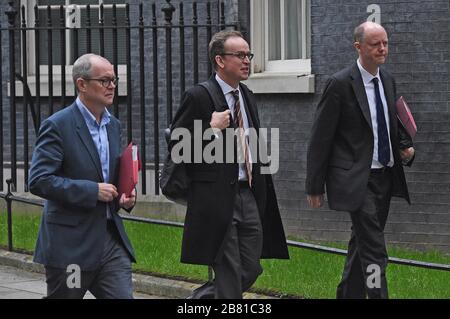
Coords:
pixel 407 154
pixel 315 201
pixel 220 120
pixel 128 202
pixel 106 192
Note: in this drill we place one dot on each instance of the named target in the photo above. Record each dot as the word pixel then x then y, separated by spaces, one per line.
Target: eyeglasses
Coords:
pixel 104 82
pixel 241 55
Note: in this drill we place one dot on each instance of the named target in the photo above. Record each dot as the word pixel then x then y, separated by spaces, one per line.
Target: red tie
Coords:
pixel 242 142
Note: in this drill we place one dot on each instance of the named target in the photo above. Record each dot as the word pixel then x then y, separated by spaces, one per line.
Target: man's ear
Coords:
pixel 219 61
pixel 81 85
pixel 357 46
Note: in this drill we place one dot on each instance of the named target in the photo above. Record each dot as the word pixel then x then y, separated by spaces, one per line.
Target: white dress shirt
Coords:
pixel 371 98
pixel 227 91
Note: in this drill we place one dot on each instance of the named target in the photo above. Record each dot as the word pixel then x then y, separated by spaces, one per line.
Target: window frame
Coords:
pixel 56 68
pixel 295 74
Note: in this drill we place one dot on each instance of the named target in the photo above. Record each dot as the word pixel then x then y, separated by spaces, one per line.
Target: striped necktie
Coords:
pixel 242 142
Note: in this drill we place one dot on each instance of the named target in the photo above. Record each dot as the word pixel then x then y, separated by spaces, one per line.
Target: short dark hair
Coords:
pixel 217 44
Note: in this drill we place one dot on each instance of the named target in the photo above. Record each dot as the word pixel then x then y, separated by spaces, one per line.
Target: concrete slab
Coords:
pixel 21 284
pixel 21 278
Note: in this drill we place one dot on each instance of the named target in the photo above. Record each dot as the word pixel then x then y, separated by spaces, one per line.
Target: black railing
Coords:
pixel 137 42
pixel 11 13
pixel 9 198
pixel 146 33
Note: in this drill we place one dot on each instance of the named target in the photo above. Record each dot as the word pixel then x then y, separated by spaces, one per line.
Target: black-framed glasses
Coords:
pixel 241 55
pixel 104 82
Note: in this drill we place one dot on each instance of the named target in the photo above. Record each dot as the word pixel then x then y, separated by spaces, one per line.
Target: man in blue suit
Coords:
pixel 82 241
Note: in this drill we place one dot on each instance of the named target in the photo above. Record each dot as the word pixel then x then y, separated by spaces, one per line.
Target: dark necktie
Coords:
pixel 383 136
pixel 242 143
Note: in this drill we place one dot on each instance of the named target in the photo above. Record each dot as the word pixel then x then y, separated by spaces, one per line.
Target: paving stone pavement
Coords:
pixel 20 284
pixel 21 278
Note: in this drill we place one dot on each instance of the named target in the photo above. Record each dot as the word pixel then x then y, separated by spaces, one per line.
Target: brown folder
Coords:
pixel 128 171
pixel 405 117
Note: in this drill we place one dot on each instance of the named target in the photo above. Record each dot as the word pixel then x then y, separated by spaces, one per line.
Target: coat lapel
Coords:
pixel 219 96
pixel 390 99
pixel 360 93
pixel 86 139
pixel 114 149
pixel 249 108
pixel 389 93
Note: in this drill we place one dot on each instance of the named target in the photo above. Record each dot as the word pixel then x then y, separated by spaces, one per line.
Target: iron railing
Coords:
pixel 9 198
pixel 43 42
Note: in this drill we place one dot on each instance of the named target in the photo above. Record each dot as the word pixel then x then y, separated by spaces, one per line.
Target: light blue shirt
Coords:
pixel 228 92
pixel 99 135
pixel 370 92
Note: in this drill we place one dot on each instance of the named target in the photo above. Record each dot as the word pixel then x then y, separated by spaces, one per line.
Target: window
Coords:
pixel 280 34
pixel 80 15
pixel 75 17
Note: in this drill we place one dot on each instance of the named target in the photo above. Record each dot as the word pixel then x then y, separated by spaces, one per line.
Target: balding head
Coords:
pixel 365 27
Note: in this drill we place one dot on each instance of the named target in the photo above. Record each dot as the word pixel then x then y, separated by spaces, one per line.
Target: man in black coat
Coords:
pixel 357 149
pixel 232 217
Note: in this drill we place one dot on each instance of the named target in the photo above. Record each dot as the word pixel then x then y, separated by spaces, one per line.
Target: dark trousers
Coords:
pixel 364 272
pixel 112 280
pixel 238 265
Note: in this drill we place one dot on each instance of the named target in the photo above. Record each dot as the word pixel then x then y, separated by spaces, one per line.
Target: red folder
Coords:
pixel 128 171
pixel 405 116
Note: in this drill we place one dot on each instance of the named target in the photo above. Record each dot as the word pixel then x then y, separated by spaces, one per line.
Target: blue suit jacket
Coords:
pixel 66 170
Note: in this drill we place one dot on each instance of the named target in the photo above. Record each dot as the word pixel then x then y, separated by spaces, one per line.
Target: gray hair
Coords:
pixel 217 44
pixel 82 67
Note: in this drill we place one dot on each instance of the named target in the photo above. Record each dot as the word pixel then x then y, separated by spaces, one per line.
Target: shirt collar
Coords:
pixel 226 88
pixel 89 117
pixel 366 76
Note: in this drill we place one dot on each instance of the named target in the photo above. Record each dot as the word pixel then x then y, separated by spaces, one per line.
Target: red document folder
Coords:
pixel 405 116
pixel 129 168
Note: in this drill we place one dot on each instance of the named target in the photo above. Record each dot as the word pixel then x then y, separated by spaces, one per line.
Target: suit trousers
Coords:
pixel 238 264
pixel 112 280
pixel 364 272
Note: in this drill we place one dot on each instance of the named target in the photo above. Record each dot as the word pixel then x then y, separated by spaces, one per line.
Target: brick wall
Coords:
pixel 420 60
